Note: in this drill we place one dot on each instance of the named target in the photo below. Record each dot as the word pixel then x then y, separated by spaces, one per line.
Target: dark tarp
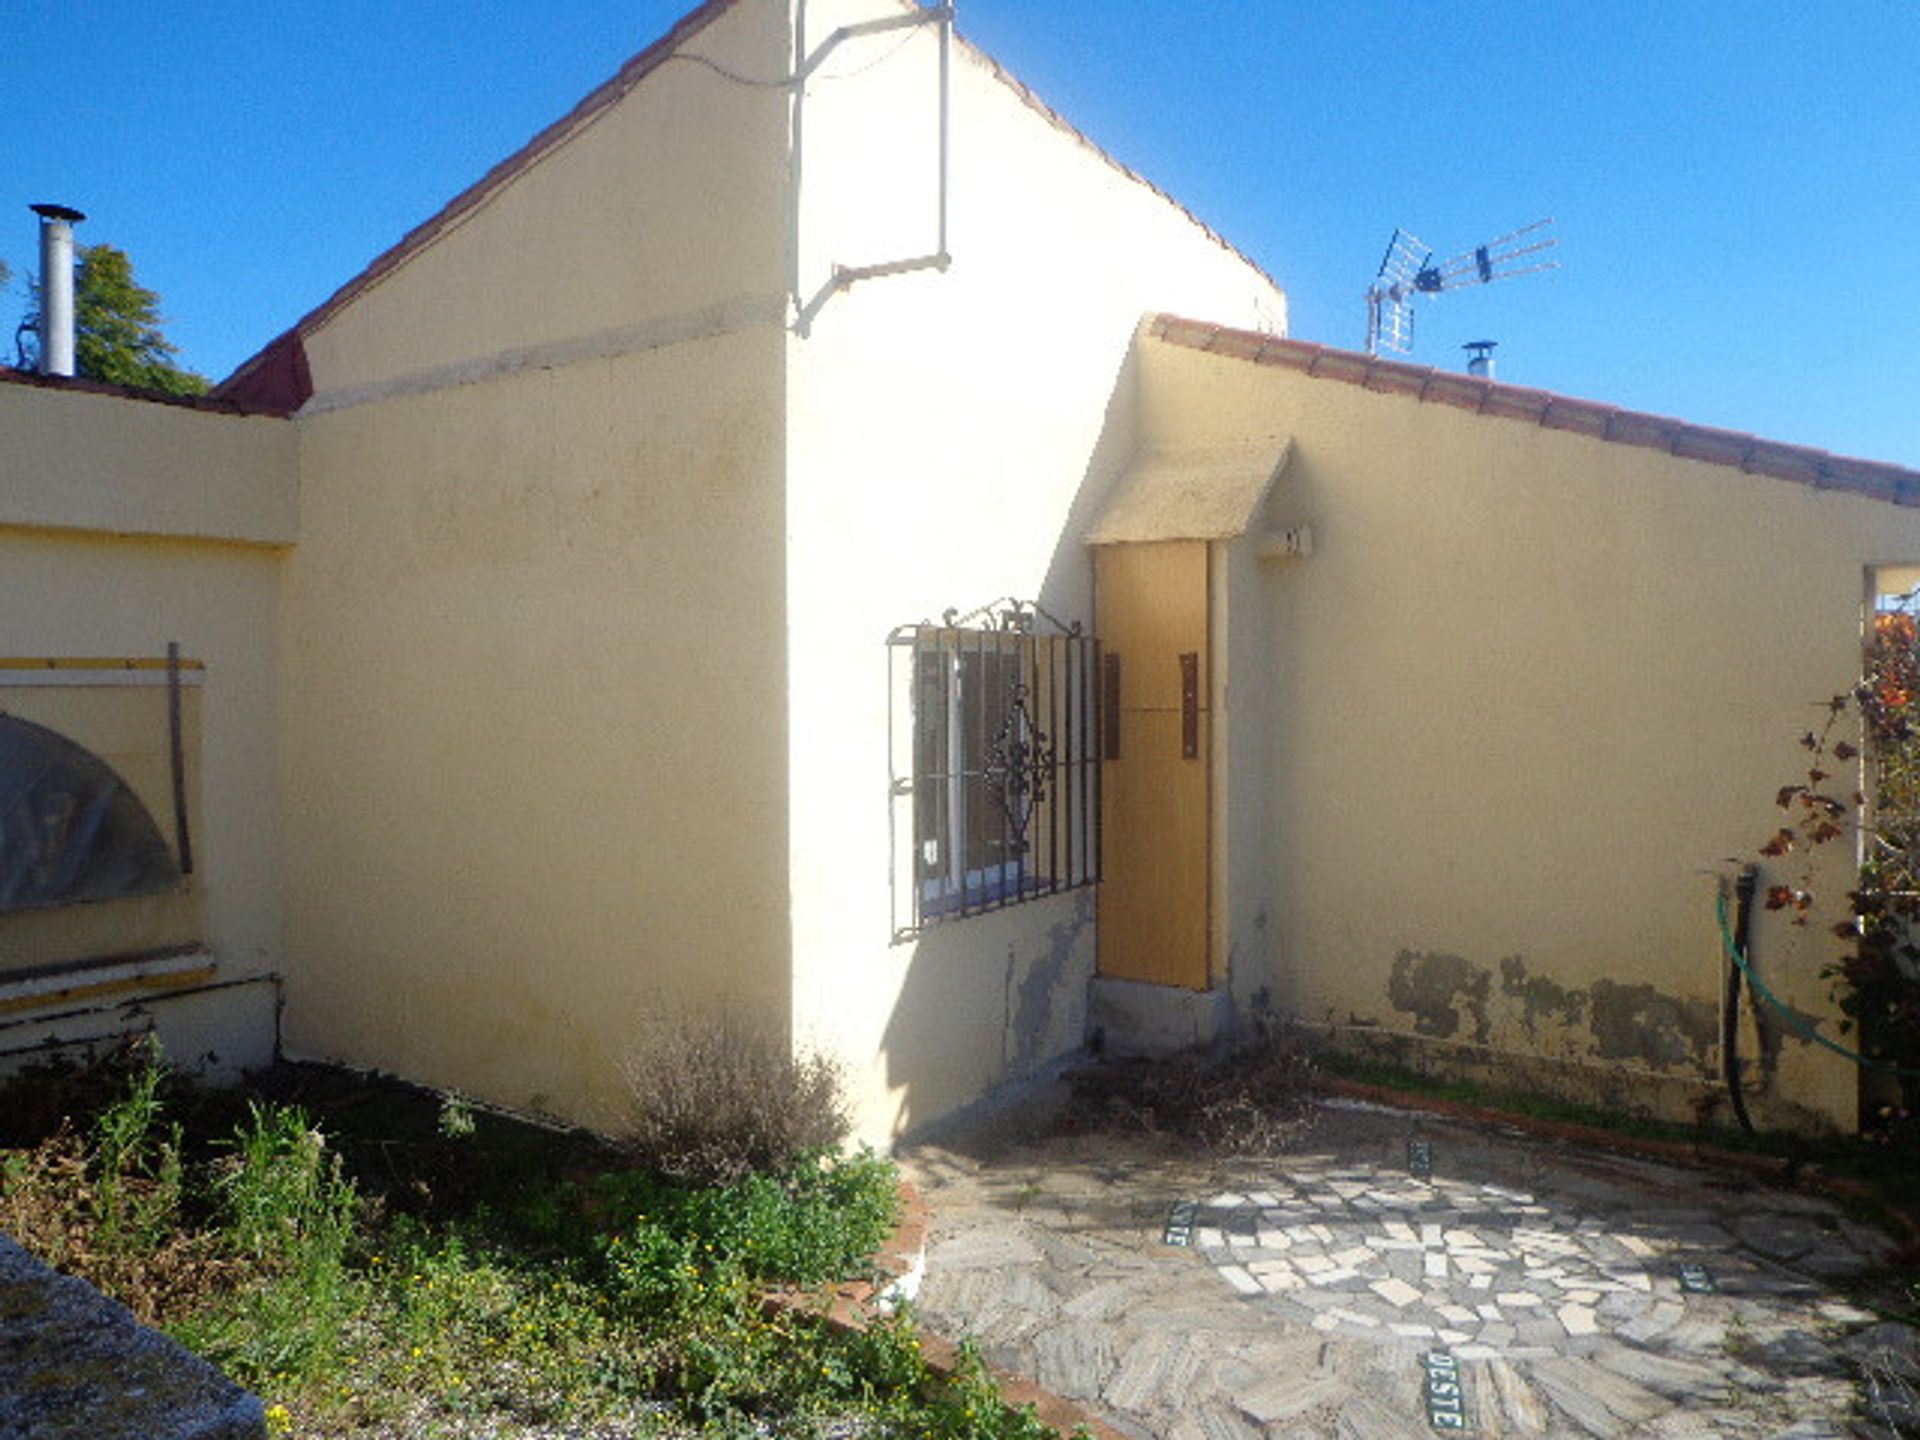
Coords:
pixel 70 829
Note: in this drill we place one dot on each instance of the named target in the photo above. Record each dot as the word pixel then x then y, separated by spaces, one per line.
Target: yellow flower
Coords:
pixel 279 1421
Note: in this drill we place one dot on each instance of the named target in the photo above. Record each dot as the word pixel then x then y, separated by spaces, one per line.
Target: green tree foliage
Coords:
pixel 117 335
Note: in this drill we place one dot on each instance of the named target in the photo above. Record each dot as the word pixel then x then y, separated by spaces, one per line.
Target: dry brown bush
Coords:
pixel 1252 1098
pixel 724 1099
pixel 51 1206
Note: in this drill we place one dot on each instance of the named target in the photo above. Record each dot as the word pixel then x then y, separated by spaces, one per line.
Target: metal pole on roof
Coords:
pixel 56 287
pixel 946 106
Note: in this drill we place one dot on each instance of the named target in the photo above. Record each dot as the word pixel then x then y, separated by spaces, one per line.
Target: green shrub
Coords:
pixel 816 1224
pixel 354 1319
pixel 724 1100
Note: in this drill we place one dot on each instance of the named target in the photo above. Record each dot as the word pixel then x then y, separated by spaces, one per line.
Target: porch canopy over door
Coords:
pixel 1154 557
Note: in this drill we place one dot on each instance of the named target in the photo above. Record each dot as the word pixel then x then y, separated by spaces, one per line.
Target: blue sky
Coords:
pixel 1736 186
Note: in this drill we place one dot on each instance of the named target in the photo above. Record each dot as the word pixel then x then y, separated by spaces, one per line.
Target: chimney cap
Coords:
pixel 57 212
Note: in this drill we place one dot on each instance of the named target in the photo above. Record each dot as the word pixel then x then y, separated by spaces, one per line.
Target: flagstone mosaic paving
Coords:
pixel 1481 1269
pixel 1307 1296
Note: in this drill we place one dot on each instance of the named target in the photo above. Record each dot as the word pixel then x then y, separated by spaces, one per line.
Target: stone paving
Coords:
pixel 1576 1293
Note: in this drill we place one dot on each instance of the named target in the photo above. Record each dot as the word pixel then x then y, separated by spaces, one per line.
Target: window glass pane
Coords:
pixel 1003 768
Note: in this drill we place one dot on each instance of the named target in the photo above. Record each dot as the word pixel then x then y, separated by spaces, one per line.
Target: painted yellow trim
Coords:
pixel 174 980
pixel 96 662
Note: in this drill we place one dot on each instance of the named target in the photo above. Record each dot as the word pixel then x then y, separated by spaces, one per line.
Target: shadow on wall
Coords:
pixel 995 999
pixel 989 1000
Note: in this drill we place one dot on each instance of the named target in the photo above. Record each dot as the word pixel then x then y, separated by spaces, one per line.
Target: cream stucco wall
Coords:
pixel 125 525
pixel 534 687
pixel 949 437
pixel 659 218
pixel 567 718
pixel 81 460
pixel 1515 714
pixel 1243 645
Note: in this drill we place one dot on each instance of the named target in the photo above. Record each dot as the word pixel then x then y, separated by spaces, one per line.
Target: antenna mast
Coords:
pixel 1408 269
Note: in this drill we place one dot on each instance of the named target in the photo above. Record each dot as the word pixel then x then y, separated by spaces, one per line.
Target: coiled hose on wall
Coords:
pixel 1735 942
pixel 1744 887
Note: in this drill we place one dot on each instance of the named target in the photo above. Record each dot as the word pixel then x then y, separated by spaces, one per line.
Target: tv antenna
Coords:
pixel 1409 269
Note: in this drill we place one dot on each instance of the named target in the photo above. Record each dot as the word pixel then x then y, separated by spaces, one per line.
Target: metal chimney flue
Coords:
pixel 1480 358
pixel 56 287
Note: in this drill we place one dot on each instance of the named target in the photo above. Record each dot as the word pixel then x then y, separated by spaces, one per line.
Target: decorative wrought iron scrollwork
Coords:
pixel 994 745
pixel 1011 616
pixel 1018 764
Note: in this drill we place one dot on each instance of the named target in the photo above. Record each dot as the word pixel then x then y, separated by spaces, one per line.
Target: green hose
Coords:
pixel 1801 1027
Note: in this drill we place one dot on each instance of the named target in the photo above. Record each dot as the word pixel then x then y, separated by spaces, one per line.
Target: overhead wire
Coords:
pixel 787 82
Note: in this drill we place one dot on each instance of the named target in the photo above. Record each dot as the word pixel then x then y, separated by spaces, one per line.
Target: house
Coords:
pixel 748 554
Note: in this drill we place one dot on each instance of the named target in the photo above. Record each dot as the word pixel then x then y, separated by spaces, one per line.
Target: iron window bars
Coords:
pixel 994 757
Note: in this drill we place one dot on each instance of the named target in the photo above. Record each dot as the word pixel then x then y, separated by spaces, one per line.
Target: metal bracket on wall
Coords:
pixel 1190 705
pixel 844 277
pixel 1110 704
pixel 177 760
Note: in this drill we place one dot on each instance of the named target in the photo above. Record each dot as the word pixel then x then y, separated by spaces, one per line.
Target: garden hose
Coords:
pixel 1743 889
pixel 1795 1021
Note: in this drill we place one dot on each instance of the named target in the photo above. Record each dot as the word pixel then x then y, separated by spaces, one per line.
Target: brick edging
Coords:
pixel 855 1304
pixel 1687 1152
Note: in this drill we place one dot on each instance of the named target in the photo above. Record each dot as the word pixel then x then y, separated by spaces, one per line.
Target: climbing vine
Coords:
pixel 1877 979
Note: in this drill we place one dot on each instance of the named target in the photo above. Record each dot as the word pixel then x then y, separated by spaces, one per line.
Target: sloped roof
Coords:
pixel 218 404
pixel 1750 453
pixel 277 379
pixel 1207 492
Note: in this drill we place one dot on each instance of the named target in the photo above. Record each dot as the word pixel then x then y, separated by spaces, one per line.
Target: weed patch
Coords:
pixel 369 1270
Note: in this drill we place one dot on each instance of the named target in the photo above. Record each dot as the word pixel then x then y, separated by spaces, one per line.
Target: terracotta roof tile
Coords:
pixel 1392 383
pixel 1736 449
pixel 1458 391
pixel 277 380
pixel 1582 417
pixel 216 404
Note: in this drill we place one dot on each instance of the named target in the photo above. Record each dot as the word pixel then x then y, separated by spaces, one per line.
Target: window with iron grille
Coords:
pixel 995 763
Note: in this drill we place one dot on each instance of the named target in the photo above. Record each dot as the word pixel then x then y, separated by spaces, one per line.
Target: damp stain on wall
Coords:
pixel 1451 998
pixel 1055 975
pixel 1638 1022
pixel 1436 988
pixel 1539 997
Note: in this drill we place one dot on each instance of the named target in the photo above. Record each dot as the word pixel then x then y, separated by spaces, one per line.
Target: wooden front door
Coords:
pixel 1151 603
